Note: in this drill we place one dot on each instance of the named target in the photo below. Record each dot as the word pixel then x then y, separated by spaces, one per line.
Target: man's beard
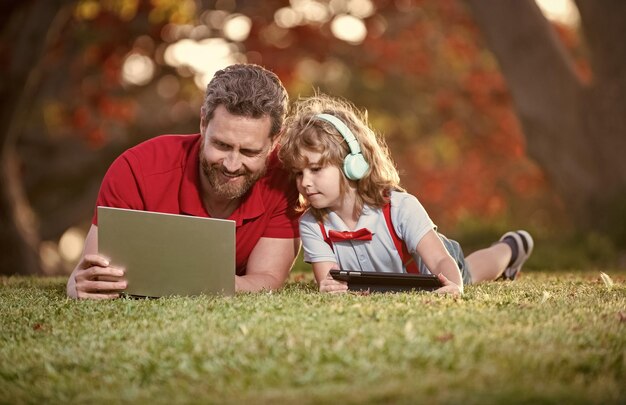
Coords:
pixel 213 174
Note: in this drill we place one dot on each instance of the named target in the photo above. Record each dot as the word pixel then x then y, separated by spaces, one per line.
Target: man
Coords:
pixel 229 170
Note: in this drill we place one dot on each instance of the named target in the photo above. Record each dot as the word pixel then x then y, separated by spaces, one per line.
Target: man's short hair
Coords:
pixel 247 90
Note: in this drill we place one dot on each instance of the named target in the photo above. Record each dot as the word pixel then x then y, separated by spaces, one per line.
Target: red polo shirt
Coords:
pixel 162 175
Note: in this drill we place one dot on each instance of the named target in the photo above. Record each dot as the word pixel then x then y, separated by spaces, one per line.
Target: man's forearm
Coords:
pixel 257 282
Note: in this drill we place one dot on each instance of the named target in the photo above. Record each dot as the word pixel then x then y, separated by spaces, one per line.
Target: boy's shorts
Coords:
pixel 455 250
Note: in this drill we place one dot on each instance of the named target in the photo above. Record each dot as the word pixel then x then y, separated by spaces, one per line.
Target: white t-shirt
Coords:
pixel 409 219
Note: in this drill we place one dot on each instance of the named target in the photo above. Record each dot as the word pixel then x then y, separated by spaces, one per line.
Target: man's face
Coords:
pixel 233 153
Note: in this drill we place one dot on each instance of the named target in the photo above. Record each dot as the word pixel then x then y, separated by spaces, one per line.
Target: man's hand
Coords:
pixel 95 279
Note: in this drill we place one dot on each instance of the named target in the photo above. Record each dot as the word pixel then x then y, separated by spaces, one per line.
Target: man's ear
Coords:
pixel 202 123
pixel 275 142
pixel 276 139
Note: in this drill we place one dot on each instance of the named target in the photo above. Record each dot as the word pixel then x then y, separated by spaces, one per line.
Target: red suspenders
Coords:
pixel 407 259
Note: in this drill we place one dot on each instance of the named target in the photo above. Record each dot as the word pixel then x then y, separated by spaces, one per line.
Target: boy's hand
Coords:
pixel 330 285
pixel 448 286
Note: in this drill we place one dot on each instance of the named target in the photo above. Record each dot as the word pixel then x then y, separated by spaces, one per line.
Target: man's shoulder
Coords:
pixel 165 144
pixel 163 152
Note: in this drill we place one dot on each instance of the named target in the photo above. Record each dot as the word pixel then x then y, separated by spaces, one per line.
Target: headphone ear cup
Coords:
pixel 355 166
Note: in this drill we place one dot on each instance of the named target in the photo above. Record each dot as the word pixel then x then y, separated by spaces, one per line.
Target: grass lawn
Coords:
pixel 546 338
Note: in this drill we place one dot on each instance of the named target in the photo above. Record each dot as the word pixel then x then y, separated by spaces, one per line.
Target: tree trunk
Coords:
pixel 575 131
pixel 26 30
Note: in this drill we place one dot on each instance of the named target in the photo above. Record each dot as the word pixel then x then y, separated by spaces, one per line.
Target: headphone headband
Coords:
pixel 354 165
pixel 345 132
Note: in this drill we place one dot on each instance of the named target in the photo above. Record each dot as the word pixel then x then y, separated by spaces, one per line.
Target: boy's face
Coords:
pixel 320 185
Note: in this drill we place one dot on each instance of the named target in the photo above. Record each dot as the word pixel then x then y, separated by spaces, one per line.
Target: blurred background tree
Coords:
pixel 83 80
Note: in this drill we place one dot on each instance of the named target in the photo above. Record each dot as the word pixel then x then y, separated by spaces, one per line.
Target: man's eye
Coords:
pixel 221 146
pixel 250 153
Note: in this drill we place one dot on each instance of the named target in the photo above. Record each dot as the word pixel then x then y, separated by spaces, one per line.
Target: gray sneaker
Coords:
pixel 525 246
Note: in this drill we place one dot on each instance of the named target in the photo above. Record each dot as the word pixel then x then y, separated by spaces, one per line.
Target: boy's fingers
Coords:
pixel 333 286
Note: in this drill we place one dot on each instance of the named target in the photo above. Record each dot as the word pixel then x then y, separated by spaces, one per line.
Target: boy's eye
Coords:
pixel 316 169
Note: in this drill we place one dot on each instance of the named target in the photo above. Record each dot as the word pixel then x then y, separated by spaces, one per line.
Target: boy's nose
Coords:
pixel 306 179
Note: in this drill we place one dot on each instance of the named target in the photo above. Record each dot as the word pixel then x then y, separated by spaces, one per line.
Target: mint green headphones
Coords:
pixel 354 164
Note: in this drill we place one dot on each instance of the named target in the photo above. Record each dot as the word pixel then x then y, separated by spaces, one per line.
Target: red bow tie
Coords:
pixel 359 234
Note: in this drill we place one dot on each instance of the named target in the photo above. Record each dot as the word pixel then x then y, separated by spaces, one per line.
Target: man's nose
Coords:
pixel 232 162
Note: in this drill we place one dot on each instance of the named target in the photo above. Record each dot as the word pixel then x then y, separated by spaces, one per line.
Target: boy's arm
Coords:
pixel 438 260
pixel 325 280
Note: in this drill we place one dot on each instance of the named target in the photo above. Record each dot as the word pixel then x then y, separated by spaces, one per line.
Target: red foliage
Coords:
pixel 469 155
pixel 423 72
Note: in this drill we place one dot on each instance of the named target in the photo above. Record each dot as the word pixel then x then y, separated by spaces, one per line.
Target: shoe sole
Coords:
pixel 523 252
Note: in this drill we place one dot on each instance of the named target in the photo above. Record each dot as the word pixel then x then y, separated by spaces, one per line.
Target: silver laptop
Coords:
pixel 167 254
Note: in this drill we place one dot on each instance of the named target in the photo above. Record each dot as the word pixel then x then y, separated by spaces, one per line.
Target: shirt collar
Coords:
pixel 368 219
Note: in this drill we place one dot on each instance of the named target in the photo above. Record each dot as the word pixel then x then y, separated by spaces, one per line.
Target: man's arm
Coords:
pixel 92 277
pixel 269 264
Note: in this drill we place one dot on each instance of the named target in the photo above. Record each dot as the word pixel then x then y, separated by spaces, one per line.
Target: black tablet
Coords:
pixel 386 282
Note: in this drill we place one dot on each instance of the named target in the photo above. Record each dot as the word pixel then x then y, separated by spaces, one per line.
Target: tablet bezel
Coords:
pixel 386 282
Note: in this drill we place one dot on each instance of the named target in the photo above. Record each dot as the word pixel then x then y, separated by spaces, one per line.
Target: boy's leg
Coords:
pixel 488 264
pixel 503 259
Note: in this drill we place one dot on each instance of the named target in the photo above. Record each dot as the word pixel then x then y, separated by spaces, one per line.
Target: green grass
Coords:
pixel 545 338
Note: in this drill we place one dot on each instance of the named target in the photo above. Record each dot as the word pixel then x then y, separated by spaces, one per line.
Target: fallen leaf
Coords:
pixel 545 296
pixel 445 337
pixel 621 316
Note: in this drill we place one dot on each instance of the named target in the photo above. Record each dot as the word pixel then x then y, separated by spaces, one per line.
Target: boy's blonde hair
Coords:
pixel 305 132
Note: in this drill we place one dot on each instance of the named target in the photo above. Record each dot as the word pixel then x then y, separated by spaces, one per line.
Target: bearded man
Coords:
pixel 229 170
